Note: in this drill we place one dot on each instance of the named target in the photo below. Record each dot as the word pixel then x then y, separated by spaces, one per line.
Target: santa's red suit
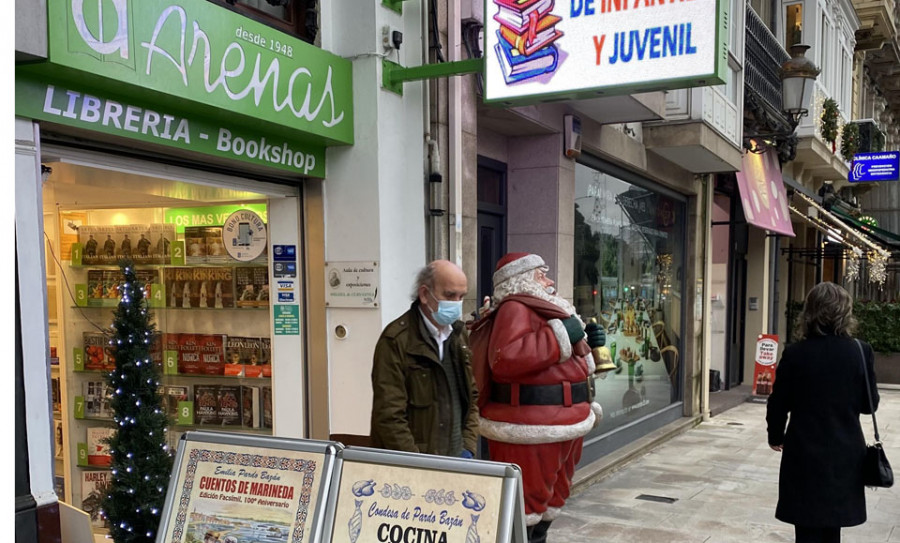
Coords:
pixel 540 400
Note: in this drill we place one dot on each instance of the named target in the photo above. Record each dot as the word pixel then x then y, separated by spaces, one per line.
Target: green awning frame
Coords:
pixel 884 236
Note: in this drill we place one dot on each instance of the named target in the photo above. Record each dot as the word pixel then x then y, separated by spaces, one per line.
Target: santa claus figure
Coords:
pixel 539 401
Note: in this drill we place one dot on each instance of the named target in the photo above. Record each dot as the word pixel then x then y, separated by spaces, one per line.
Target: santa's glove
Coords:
pixel 574 329
pixel 596 335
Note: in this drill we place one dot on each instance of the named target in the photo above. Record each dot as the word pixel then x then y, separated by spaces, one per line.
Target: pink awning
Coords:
pixel 762 193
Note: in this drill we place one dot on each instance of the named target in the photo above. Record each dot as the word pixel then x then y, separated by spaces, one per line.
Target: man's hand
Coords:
pixel 573 329
pixel 596 335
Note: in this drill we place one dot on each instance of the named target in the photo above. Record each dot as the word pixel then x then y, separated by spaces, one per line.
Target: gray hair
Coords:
pixel 828 311
pixel 424 277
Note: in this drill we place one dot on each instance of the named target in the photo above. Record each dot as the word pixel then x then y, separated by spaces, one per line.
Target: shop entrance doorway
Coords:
pixel 491 221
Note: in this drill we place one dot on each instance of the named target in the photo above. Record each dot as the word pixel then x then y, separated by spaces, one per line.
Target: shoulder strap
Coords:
pixel 862 358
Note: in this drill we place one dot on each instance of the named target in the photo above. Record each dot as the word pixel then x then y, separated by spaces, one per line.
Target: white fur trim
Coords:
pixel 532 518
pixel 592 366
pixel 562 337
pixel 598 413
pixel 551 514
pixel 528 262
pixel 520 434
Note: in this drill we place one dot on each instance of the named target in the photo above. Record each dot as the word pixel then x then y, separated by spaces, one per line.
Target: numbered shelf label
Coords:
pixel 77 253
pixel 157 295
pixel 171 363
pixel 79 407
pixel 177 248
pixel 185 414
pixel 81 295
pixel 82 454
pixel 78 359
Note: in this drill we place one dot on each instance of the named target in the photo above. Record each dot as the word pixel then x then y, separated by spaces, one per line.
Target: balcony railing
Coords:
pixel 765 55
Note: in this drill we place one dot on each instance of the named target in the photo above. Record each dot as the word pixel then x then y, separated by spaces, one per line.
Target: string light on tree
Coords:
pixel 138 483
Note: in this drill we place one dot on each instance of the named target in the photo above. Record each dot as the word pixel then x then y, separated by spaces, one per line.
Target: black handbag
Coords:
pixel 877 470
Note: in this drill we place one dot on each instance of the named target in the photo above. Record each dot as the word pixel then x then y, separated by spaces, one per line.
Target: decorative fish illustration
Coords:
pixel 472 534
pixel 355 524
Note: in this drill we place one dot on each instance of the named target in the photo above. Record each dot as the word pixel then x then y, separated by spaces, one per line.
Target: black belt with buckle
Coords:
pixel 582 391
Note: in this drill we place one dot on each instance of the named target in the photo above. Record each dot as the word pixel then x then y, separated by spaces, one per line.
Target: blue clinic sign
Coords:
pixel 884 166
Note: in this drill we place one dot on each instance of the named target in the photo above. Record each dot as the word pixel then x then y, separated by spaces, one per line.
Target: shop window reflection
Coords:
pixel 628 253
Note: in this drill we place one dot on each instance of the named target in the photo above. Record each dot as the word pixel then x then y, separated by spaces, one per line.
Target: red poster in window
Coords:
pixel 764 369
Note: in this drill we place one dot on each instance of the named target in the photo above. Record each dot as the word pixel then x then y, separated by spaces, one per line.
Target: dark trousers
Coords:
pixel 817 534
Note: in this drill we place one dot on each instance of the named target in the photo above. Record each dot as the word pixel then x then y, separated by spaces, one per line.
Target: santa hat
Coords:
pixel 513 264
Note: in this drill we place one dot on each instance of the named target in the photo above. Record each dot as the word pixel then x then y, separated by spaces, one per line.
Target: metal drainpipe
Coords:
pixel 707 302
pixel 454 116
pixel 773 284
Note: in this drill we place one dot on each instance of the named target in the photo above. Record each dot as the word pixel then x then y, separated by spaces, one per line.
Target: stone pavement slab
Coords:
pixel 723 480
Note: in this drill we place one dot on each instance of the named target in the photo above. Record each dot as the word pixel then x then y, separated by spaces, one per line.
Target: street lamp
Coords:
pixel 798 75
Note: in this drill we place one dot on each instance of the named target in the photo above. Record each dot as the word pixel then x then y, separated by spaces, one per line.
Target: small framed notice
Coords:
pixel 396 496
pixel 248 488
pixel 351 284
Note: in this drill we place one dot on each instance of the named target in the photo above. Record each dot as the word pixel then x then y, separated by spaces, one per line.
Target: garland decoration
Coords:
pixel 829 126
pixel 849 141
pixel 853 263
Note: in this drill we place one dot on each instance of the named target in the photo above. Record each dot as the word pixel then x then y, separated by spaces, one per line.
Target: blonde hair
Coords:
pixel 828 311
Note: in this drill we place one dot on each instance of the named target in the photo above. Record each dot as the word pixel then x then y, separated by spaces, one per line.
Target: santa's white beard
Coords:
pixel 524 283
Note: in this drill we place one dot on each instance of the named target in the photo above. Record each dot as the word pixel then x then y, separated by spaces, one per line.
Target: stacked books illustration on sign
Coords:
pixel 525 45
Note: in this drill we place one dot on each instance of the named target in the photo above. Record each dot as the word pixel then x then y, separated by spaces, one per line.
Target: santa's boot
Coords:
pixel 539 532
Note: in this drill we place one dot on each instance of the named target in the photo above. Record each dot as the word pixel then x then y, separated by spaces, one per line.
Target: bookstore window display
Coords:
pixel 210 309
pixel 628 261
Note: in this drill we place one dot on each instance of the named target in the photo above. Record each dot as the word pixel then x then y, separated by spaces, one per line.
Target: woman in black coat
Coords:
pixel 820 383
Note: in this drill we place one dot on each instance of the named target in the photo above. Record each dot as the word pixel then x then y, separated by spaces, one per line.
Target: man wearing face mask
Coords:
pixel 424 394
pixel 537 402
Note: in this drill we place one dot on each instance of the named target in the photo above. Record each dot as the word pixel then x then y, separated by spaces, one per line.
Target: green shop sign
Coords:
pixel 194 56
pixel 73 105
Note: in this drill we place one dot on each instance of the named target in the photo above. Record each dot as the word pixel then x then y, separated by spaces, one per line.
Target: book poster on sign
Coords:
pixel 245 493
pixel 378 500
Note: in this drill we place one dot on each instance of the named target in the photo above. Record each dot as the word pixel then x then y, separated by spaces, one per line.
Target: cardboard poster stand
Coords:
pixel 234 488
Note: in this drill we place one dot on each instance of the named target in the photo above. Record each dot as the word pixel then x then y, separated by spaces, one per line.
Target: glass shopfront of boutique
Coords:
pixel 628 274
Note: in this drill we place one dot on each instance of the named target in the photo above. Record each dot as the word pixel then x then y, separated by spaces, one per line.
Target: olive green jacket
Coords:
pixel 411 405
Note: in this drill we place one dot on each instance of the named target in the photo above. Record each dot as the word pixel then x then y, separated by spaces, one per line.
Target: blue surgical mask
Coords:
pixel 447 312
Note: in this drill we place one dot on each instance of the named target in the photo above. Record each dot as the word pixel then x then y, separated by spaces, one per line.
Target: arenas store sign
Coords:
pixel 194 56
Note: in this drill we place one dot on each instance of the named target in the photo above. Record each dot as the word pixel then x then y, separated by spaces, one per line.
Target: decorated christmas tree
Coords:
pixel 141 459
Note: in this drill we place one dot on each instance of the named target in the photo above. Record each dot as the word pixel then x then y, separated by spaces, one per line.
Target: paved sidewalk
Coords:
pixel 724 481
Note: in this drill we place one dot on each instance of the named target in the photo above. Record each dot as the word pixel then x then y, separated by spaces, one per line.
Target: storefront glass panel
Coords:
pixel 629 256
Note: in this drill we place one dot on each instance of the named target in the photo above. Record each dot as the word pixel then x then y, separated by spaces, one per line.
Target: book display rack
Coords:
pixel 212 341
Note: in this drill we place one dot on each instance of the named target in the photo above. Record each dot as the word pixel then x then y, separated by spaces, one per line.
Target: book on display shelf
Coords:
pixel 161 238
pixel 206 404
pixel 55 395
pixel 172 395
pixel 265 393
pixel 251 286
pixel 98 446
pixel 240 353
pixel 97 395
pixel 98 245
pixel 250 407
pixel 94 486
pixel 212 288
pixel 229 405
pixel 194 245
pixel 215 247
pixel 212 352
pixel 58 438
pixel 189 348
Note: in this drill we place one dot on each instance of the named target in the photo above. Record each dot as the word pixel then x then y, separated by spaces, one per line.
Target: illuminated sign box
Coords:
pixel 546 50
pixel 884 166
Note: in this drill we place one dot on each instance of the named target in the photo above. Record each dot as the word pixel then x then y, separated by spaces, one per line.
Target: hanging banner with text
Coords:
pixel 764 369
pixel 537 50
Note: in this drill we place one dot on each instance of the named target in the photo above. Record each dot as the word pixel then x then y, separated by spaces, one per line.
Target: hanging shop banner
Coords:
pixel 537 50
pixel 762 193
pixel 248 488
pixel 394 496
pixel 875 167
pixel 196 53
pixel 764 369
pixel 81 107
pixel 351 284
